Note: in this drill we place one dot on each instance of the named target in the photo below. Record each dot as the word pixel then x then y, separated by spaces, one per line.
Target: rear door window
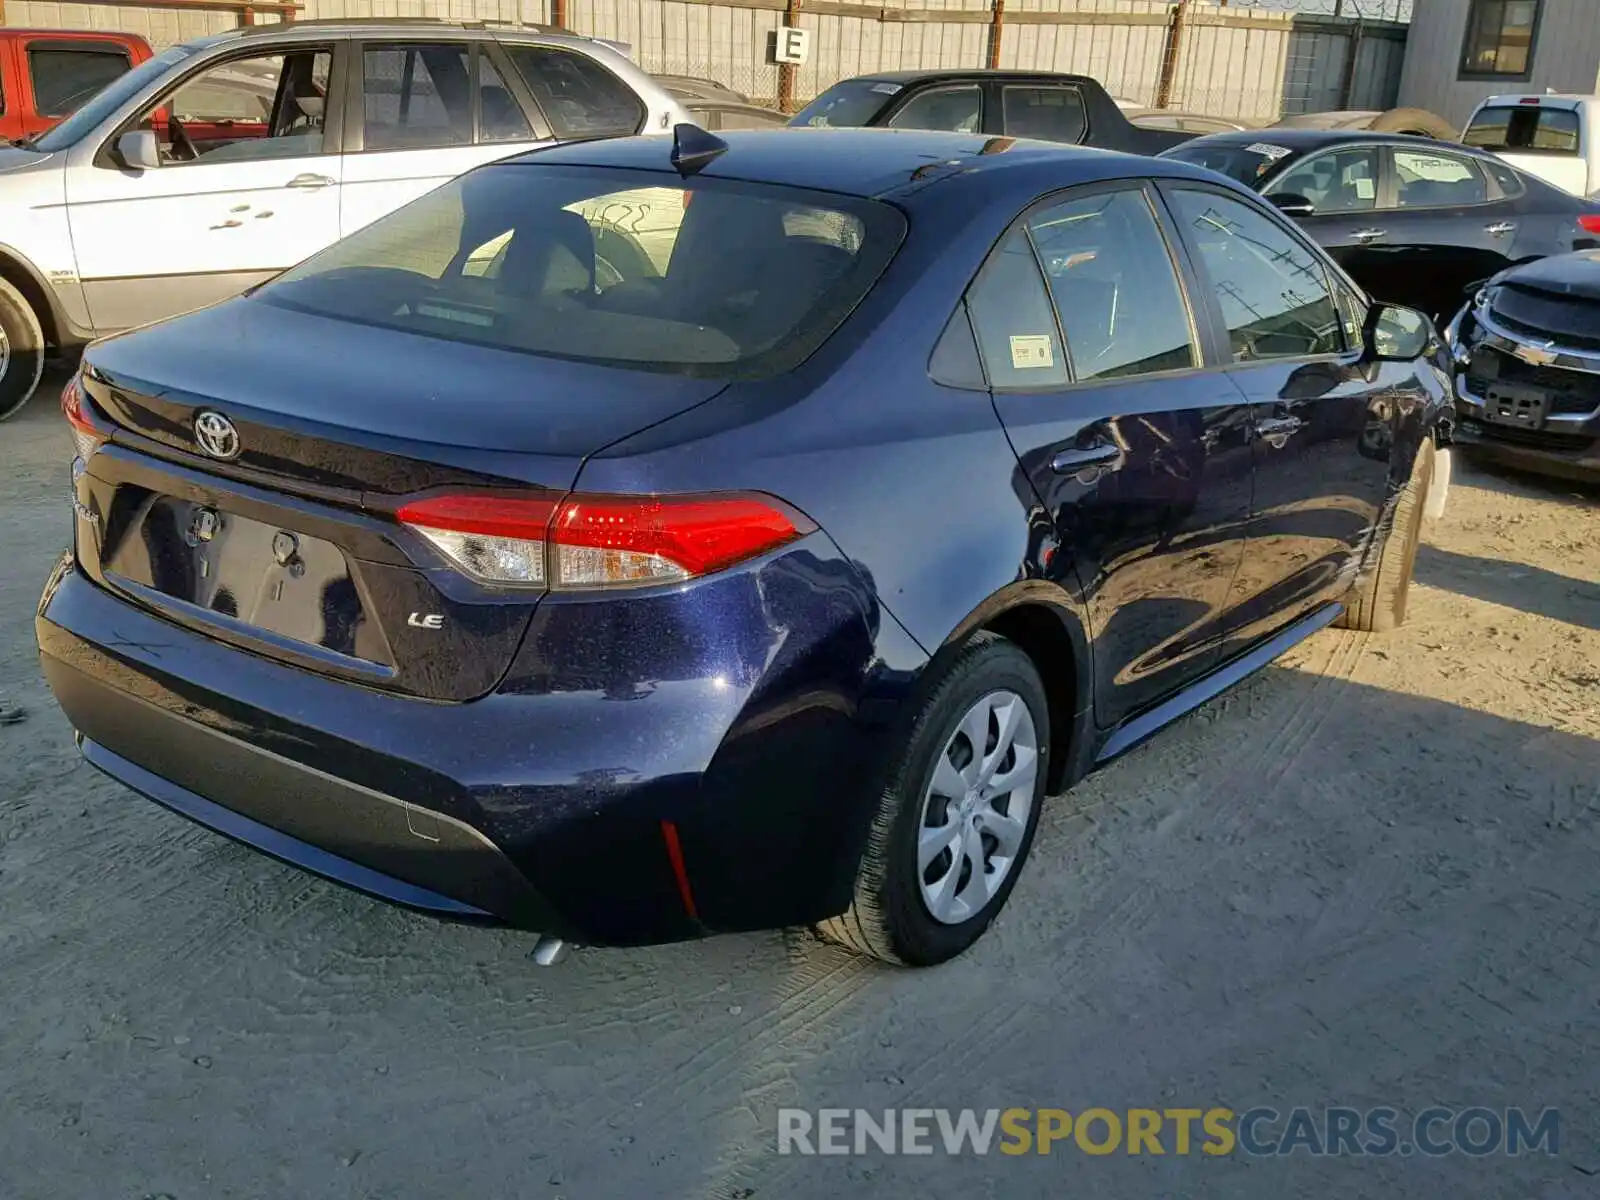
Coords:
pixel 1114 285
pixel 67 75
pixel 949 109
pixel 706 278
pixel 1524 128
pixel 1051 114
pixel 580 98
pixel 1427 179
pixel 417 97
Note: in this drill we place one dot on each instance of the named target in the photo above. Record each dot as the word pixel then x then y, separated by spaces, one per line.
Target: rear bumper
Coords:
pixel 541 806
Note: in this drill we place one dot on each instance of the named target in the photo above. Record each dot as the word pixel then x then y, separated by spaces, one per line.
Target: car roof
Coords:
pixel 1315 139
pixel 879 163
pixel 933 73
pixel 395 27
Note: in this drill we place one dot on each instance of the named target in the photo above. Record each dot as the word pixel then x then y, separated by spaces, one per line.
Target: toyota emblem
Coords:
pixel 216 435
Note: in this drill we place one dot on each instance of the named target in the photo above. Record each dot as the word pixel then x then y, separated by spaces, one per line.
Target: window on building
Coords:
pixel 1499 38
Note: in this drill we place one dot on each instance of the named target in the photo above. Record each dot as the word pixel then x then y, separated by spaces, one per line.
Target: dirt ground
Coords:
pixel 1369 876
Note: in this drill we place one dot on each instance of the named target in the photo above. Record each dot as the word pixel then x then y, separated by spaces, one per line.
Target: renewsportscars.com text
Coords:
pixel 1260 1132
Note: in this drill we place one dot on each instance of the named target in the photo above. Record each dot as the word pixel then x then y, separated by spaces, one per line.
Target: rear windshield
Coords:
pixel 849 104
pixel 1248 164
pixel 1524 127
pixel 624 268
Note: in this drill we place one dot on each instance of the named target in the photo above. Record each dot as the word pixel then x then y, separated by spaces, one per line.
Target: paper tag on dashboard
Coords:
pixel 1031 350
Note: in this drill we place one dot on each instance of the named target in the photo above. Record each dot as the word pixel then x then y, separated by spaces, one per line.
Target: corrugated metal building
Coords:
pixel 1460 51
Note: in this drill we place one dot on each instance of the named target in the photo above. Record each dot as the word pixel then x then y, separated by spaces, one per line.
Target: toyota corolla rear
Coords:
pixel 337 589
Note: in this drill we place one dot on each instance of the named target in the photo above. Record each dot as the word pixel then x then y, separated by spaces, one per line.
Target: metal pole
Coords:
pixel 1169 54
pixel 786 70
pixel 996 24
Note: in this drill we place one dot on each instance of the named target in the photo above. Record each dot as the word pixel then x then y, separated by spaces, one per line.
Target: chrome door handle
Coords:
pixel 1278 430
pixel 1500 228
pixel 1089 463
pixel 1369 235
pixel 310 182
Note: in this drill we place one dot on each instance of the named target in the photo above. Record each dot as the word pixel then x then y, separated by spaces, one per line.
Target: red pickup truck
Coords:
pixel 47 73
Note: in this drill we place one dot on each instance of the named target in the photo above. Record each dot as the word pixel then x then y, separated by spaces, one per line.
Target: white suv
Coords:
pixel 219 163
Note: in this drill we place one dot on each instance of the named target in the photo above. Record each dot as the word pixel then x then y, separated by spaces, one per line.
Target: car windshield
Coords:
pixel 116 93
pixel 1247 163
pixel 622 268
pixel 852 103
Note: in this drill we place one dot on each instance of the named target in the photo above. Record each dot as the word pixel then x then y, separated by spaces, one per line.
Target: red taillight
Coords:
pixel 1590 222
pixel 86 435
pixel 601 541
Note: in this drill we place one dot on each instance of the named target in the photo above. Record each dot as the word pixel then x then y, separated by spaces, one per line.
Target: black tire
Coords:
pixel 888 918
pixel 24 351
pixel 1377 604
pixel 1414 120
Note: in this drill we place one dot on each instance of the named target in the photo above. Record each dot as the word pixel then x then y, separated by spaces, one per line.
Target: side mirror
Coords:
pixel 139 150
pixel 1397 334
pixel 1292 204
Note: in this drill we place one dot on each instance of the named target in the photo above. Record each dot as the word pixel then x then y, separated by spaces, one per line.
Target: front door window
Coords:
pixel 244 109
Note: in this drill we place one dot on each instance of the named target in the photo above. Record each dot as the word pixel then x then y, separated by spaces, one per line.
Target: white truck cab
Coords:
pixel 1549 135
pixel 219 163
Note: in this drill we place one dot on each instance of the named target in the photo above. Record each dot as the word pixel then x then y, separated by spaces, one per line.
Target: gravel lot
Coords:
pixel 1369 876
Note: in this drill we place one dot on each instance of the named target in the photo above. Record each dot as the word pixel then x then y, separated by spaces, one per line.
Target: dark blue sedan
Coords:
pixel 632 541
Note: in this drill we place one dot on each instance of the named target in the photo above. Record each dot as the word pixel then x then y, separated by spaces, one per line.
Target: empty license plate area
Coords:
pixel 277 580
pixel 1507 404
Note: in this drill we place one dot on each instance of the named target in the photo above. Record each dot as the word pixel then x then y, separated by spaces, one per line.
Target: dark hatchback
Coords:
pixel 1412 220
pixel 1527 360
pixel 768 567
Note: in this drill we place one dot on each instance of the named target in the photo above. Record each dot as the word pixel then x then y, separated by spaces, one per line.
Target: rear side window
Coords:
pixel 623 268
pixel 1424 179
pixel 1013 319
pixel 580 98
pixel 1114 286
pixel 1525 128
pixel 1052 114
pixel 64 77
pixel 1272 291
pixel 1506 176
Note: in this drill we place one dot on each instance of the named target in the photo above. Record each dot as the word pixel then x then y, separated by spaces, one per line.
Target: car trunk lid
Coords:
pixel 288 545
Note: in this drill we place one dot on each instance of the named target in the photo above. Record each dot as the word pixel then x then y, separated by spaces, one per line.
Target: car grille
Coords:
pixel 1542 316
pixel 1570 392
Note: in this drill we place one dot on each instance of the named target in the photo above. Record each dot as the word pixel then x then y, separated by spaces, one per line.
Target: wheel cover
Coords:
pixel 976 809
pixel 5 354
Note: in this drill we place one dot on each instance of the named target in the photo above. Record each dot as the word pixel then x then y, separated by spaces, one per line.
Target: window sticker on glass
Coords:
pixel 1365 189
pixel 1031 350
pixel 1267 150
pixel 886 89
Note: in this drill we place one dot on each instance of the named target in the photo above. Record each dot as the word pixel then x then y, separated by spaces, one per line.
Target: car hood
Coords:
pixel 1576 275
pixel 16 158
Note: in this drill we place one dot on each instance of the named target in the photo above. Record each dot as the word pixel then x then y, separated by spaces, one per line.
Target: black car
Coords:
pixel 1029 104
pixel 1413 220
pixel 1527 361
